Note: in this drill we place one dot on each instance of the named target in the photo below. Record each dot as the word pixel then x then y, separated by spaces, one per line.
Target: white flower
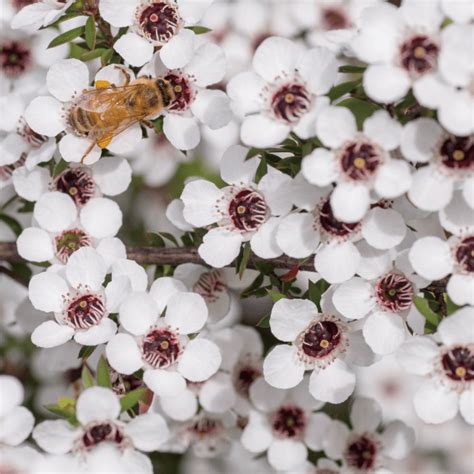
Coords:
pixel 401 46
pixel 98 413
pixel 61 227
pixel 448 369
pixel 194 103
pixel 244 211
pixel 284 93
pixel 80 303
pixel 339 248
pixel 358 162
pixel 46 115
pixel 283 423
pixel 155 24
pixel 364 449
pixel 322 343
pixel 40 14
pixel 450 162
pixel 161 345
pixel 16 422
pixel 434 258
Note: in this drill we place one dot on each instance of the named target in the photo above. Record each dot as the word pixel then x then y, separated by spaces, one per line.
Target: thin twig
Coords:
pixel 170 256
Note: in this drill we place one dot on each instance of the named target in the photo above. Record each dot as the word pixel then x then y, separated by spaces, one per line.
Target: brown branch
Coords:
pixel 170 256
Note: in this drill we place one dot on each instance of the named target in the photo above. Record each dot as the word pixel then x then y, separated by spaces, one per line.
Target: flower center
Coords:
pixel 458 363
pixel 331 225
pixel 7 170
pixel 245 373
pixel 419 55
pixel 290 102
pixel 464 254
pixel 159 21
pixel 15 58
pixel 209 285
pixel 288 422
pixel 248 210
pixel 204 426
pixel 30 136
pixel 19 4
pixel 361 453
pixel 161 348
pixel 333 18
pixel 77 183
pixel 321 338
pixel 85 311
pixel 183 91
pixel 69 241
pixel 394 292
pixel 457 153
pixel 100 432
pixel 360 160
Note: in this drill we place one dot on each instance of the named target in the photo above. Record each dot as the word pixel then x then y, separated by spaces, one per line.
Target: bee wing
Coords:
pixel 100 100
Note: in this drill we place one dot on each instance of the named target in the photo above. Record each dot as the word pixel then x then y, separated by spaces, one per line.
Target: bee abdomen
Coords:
pixel 82 121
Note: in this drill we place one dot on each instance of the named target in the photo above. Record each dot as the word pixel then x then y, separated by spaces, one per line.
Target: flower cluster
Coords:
pixel 319 157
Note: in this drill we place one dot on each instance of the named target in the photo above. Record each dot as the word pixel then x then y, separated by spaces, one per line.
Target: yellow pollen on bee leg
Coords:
pixel 240 209
pixel 289 98
pixel 164 345
pixel 460 371
pixel 419 52
pixel 324 344
pixel 359 163
pixel 458 155
pixel 83 304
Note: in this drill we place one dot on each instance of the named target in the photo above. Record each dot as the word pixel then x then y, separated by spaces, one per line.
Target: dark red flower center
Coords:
pixel 334 18
pixel 321 338
pixel 69 241
pixel 15 58
pixel 244 375
pixel 7 170
pixel 359 160
pixel 394 292
pixel 248 210
pixel 101 432
pixel 205 426
pixel 361 453
pixel 290 102
pixel 159 21
pixel 458 364
pixel 464 254
pixel 183 92
pixel 77 183
pixel 85 311
pixel 161 348
pixel 209 285
pixel 457 153
pixel 419 54
pixel 289 422
pixel 331 225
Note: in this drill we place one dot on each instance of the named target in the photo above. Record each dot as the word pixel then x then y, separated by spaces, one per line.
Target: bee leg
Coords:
pixel 84 156
pixel 147 123
pixel 126 74
pixel 105 140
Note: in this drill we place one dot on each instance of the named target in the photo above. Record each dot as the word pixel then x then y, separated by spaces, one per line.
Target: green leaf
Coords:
pixel 26 207
pixel 14 225
pixel 132 398
pixel 275 295
pixel 199 30
pixel 67 36
pixel 59 168
pixel 264 322
pixel 87 378
pixel 22 270
pixel 245 259
pixel 422 305
pixel 96 53
pixel 450 306
pixel 360 108
pixel 261 170
pixel 65 408
pixel 158 124
pixel 90 32
pixel 352 69
pixel 170 237
pixel 103 375
pixel 86 351
pixel 342 89
pixel 155 240
pixel 316 291
pixel 253 152
pixel 106 56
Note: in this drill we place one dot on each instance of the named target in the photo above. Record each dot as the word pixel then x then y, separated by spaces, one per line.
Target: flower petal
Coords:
pixel 98 334
pixel 123 354
pixel 200 360
pixel 182 132
pixel 386 83
pixel 97 404
pixel 333 384
pixel 101 217
pixel 431 258
pixel 262 131
pixel 366 415
pixel 220 247
pixel 286 454
pixel 67 78
pixel 337 262
pixel 134 49
pixel 41 108
pixel 335 125
pixel 55 437
pixel 138 312
pixel 46 291
pixel 281 367
pixel 350 202
pixel 290 317
pixel 186 312
pixel 384 332
pixel 434 403
pixel 78 149
pixel 383 228
pixel 51 334
pixel 178 51
pixel 147 431
pixel 354 298
pixel 35 245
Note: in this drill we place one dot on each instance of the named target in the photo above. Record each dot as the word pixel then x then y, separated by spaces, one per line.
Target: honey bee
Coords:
pixel 102 113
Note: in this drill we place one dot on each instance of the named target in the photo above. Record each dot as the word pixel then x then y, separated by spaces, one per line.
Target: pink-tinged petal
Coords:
pixel 67 78
pixel 182 132
pixel 44 116
pixel 123 354
pixel 134 49
pixel 386 83
pixel 51 334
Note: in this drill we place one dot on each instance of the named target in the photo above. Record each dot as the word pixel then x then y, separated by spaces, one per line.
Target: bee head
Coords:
pixel 166 91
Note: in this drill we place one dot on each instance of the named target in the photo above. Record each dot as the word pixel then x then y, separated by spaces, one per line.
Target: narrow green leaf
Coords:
pixel 264 322
pixel 90 32
pixel 158 124
pixel 22 270
pixel 67 36
pixel 275 295
pixel 96 53
pixel 360 108
pixel 316 291
pixel 26 207
pixel 106 56
pixel 422 305
pixel 261 170
pixel 450 306
pixel 87 378
pixel 103 375
pixel 199 30
pixel 352 69
pixel 86 351
pixel 170 237
pixel 132 398
pixel 245 259
pixel 342 89
pixel 59 168
pixel 253 152
pixel 11 222
pixel 155 240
